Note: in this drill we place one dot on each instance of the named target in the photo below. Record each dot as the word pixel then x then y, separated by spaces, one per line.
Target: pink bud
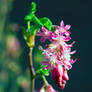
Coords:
pixel 49 88
pixel 59 75
pixel 65 75
pixel 67 27
pixel 62 23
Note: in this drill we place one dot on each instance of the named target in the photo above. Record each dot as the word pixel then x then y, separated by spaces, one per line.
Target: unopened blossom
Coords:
pixel 59 75
pixel 47 88
pixel 58 72
pixel 57 55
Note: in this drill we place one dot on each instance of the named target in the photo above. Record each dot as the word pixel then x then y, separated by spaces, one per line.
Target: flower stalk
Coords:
pixel 32 72
pixel 28 25
pixel 44 80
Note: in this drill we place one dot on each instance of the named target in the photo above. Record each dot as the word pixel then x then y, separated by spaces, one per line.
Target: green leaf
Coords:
pixel 33 29
pixel 45 72
pixel 32 18
pixel 46 22
pixel 41 67
pixel 42 71
pixel 29 17
pixel 37 22
pixel 33 7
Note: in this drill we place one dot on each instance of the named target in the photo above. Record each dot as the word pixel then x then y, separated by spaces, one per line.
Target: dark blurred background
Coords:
pixel 77 13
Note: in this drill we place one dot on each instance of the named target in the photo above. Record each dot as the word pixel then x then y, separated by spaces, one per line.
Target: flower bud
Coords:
pixel 59 75
pixel 49 88
pixel 31 41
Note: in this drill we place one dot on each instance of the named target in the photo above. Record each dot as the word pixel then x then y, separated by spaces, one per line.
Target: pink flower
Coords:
pixel 49 88
pixel 64 29
pixel 60 31
pixel 45 34
pixel 59 73
pixel 57 55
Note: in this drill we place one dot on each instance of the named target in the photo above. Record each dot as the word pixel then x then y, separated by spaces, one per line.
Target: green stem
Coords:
pixel 28 25
pixel 44 80
pixel 32 72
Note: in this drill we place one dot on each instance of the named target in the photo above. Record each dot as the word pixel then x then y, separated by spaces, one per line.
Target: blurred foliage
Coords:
pixel 12 76
pixel 38 56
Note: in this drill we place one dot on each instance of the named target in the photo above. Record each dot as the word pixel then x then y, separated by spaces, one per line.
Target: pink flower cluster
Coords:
pixel 57 54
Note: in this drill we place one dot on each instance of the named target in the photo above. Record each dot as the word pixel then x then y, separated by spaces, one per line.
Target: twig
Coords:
pixel 32 72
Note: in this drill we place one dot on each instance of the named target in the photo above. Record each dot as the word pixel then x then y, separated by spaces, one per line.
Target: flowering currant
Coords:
pixel 57 55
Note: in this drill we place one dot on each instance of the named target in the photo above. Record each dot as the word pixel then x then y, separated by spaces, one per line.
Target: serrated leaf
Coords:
pixel 46 22
pixel 41 67
pixel 32 18
pixel 33 30
pixel 29 17
pixel 45 72
pixel 42 71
